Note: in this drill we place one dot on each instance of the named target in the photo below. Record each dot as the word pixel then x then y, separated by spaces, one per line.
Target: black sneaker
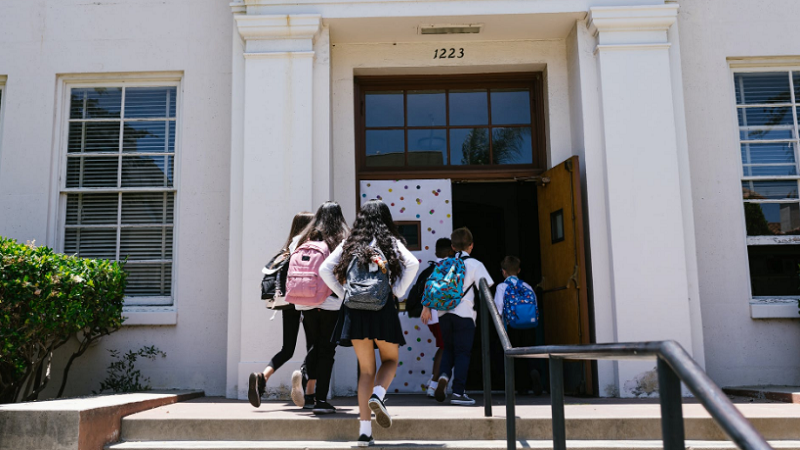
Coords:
pixel 536 381
pixel 255 388
pixel 308 401
pixel 381 415
pixel 323 407
pixel 365 441
pixel 298 392
pixel 461 400
pixel 441 389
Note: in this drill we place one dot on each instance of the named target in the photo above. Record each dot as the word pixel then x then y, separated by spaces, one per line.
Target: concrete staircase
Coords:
pixel 418 422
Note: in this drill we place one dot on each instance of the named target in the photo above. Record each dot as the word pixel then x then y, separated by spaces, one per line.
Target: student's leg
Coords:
pixel 291 327
pixel 326 350
pixel 389 356
pixel 448 354
pixel 311 324
pixel 366 365
pixel 437 360
pixel 464 333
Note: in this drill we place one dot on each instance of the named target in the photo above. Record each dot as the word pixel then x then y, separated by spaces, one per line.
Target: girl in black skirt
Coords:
pixel 365 330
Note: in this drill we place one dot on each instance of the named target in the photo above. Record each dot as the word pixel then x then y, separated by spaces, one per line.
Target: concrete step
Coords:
pixel 449 445
pixel 418 419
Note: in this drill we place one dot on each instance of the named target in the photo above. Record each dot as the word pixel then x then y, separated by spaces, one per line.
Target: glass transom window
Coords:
pixel 119 183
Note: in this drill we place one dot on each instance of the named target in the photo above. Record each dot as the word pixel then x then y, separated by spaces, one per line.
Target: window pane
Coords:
pixel 427 147
pixel 95 172
pixel 149 280
pixel 769 190
pixel 151 137
pixel 426 108
pixel 98 137
pixel 469 146
pixel 385 148
pixel 767 219
pixel 512 145
pixel 773 269
pixel 146 243
pixel 760 88
pixel 91 242
pixel 147 208
pixel 100 103
pixel 511 107
pixel 92 209
pixel 765 123
pixel 411 233
pixel 469 107
pixel 150 102
pixel 140 171
pixel 384 109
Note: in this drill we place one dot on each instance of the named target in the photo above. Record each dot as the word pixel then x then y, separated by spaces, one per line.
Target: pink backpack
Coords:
pixel 304 286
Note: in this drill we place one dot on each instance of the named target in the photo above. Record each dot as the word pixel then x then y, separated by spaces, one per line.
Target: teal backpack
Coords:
pixel 445 287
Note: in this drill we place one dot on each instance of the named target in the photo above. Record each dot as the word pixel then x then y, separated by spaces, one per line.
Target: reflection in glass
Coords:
pixel 150 102
pixel 93 137
pixel 773 269
pixel 150 137
pixel 761 88
pixel 768 159
pixel 426 108
pixel 469 107
pixel 95 103
pixel 511 107
pixel 384 109
pixel 512 145
pixel 427 147
pixel 147 171
pixel 469 146
pixel 385 148
pixel 769 219
pixel 769 190
pixel 765 123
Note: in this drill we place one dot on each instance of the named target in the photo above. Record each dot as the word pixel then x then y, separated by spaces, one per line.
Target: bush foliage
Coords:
pixel 45 299
pixel 123 376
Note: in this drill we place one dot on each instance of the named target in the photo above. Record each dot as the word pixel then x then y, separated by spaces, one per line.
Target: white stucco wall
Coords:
pixel 42 40
pixel 739 350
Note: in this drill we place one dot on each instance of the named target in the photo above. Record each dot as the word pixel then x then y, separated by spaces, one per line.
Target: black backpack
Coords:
pixel 414 300
pixel 274 282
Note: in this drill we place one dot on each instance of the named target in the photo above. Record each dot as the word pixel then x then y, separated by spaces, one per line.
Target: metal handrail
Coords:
pixel 673 364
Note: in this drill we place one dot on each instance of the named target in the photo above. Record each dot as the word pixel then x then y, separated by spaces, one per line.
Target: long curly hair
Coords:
pixel 328 225
pixel 374 221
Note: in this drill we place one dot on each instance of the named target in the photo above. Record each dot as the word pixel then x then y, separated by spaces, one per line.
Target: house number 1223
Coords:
pixel 448 53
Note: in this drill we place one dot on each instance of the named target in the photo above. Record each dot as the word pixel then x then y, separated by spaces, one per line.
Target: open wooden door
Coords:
pixel 563 297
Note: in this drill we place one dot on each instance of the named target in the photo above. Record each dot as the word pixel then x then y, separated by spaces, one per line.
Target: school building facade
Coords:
pixel 640 156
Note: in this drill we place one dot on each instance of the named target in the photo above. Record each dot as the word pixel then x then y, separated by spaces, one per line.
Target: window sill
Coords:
pixel 774 308
pixel 149 315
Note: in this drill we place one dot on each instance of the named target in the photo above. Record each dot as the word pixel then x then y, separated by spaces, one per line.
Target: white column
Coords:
pixel 276 171
pixel 645 223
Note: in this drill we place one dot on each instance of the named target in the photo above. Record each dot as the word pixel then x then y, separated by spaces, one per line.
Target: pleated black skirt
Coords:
pixel 383 325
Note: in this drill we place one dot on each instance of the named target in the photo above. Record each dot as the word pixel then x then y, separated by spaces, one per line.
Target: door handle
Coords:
pixel 572 279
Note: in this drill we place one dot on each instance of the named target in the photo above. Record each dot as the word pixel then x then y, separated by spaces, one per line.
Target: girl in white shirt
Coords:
pixel 365 330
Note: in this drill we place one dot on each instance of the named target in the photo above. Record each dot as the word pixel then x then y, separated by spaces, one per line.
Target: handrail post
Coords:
pixel 669 390
pixel 486 351
pixel 511 413
pixel 557 403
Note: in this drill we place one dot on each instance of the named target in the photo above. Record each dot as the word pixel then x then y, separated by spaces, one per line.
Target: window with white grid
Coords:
pixel 767 110
pixel 120 194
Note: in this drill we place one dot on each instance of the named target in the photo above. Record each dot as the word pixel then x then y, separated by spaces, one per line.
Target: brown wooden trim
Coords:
pixel 418 224
pixel 467 173
pixel 586 337
pixel 540 151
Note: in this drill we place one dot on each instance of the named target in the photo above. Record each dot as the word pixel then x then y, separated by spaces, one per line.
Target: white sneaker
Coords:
pixel 462 400
pixel 431 391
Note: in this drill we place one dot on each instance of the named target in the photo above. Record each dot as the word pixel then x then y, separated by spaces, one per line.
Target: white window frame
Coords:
pixel 776 306
pixel 134 306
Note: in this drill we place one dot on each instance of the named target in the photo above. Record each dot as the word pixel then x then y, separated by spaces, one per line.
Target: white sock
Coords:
pixel 433 384
pixel 365 427
pixel 379 391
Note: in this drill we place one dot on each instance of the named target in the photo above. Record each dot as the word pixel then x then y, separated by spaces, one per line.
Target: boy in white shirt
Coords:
pixel 458 324
pixel 518 338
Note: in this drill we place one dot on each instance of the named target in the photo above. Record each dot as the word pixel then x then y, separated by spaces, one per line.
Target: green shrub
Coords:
pixel 46 298
pixel 123 376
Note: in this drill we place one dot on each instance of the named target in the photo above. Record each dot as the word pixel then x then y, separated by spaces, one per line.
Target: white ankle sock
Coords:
pixel 433 384
pixel 379 391
pixel 365 427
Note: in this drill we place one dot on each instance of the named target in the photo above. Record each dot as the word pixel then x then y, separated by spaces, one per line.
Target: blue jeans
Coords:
pixel 458 333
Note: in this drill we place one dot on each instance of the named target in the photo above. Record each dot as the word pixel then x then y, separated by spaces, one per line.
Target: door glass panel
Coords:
pixel 427 147
pixel 469 146
pixel 385 148
pixel 511 107
pixel 512 145
pixel 384 109
pixel 771 190
pixel 770 219
pixel 469 107
pixel 426 109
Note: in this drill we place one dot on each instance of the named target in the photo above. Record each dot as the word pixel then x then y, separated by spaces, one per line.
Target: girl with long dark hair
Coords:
pixel 364 330
pixel 291 322
pixel 328 226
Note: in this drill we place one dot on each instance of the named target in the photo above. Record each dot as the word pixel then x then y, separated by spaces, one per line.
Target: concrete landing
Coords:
pixel 417 418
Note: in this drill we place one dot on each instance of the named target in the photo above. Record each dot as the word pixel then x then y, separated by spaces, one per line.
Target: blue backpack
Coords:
pixel 520 309
pixel 445 287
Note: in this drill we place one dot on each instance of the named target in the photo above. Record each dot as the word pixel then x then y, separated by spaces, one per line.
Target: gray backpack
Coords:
pixel 364 289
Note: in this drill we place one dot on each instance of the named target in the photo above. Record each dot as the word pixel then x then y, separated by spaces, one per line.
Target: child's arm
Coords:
pixel 410 267
pixel 426 315
pixel 326 271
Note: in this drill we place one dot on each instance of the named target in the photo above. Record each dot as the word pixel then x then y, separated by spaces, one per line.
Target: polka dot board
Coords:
pixel 431 206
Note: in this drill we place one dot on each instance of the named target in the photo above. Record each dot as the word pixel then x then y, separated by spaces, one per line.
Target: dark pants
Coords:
pixel 523 366
pixel 458 333
pixel 318 325
pixel 291 326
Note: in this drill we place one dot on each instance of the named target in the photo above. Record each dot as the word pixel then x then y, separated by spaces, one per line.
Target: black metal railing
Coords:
pixel 673 364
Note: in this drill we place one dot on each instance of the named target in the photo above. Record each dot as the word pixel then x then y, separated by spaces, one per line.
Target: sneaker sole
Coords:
pixel 462 402
pixel 441 391
pixel 320 412
pixel 365 444
pixel 252 391
pixel 298 396
pixel 382 416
